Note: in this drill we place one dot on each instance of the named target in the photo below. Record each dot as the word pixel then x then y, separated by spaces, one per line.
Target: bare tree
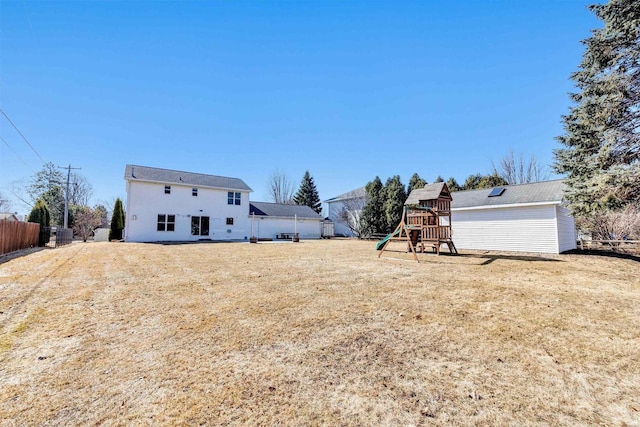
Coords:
pixel 350 215
pixel 5 204
pixel 618 225
pixel 80 190
pixel 86 220
pixel 515 169
pixel 280 188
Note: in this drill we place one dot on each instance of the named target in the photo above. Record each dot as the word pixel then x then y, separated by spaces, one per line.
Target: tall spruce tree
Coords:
pixel 117 221
pixel 395 197
pixel 307 194
pixel 601 153
pixel 415 182
pixel 373 217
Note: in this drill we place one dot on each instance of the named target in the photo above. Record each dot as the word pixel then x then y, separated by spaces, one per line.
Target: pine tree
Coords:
pixel 40 214
pixel 601 153
pixel 373 217
pixel 395 197
pixel 477 181
pixel 438 179
pixel 415 182
pixel 307 194
pixel 117 221
pixel 453 185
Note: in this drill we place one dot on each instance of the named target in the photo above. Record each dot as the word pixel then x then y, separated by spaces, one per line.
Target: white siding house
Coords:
pixel 345 209
pixel 525 218
pixel 273 219
pixel 168 205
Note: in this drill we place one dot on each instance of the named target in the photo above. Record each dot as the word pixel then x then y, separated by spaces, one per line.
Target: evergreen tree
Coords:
pixel 493 180
pixel 54 199
pixel 438 179
pixel 477 181
pixel 453 185
pixel 117 221
pixel 472 182
pixel 415 182
pixel 40 214
pixel 307 194
pixel 601 153
pixel 373 217
pixel 395 197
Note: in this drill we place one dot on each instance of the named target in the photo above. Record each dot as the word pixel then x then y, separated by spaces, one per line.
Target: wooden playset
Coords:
pixel 426 221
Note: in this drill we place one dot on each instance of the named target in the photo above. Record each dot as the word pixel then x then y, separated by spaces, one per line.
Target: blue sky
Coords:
pixel 346 89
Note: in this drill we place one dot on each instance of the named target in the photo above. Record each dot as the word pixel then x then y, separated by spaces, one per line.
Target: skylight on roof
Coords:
pixel 496 192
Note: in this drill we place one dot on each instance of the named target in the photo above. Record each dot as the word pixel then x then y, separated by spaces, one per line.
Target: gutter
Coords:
pixel 512 205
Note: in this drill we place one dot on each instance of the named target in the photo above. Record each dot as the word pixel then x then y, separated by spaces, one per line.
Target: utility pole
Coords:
pixel 66 195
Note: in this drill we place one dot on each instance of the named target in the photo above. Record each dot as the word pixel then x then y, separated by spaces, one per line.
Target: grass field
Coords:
pixel 316 333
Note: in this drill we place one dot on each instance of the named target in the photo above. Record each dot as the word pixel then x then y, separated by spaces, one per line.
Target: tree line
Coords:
pixel 46 191
pixel 381 209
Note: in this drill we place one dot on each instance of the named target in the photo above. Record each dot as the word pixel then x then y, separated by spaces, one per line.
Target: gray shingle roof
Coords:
pixel 167 176
pixel 281 210
pixel 353 194
pixel 428 192
pixel 538 192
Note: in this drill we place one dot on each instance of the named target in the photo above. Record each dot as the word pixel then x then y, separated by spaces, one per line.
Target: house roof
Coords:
pixel 428 192
pixel 282 210
pixel 537 192
pixel 167 176
pixel 353 194
pixel 8 216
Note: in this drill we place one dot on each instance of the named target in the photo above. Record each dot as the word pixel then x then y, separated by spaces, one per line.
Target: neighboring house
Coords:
pixel 169 205
pixel 273 219
pixel 527 218
pixel 344 210
pixel 8 216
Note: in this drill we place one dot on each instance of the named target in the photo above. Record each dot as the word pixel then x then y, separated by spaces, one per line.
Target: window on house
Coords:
pixel 166 222
pixel 229 221
pixel 199 225
pixel 167 189
pixel 194 192
pixel 233 198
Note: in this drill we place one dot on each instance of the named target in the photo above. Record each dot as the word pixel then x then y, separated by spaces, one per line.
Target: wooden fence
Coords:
pixel 16 235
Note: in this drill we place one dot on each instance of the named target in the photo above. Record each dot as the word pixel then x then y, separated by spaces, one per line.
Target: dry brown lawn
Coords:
pixel 316 333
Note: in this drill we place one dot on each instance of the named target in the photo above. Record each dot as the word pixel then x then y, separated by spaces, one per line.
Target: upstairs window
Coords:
pixel 233 198
pixel 167 189
pixel 194 192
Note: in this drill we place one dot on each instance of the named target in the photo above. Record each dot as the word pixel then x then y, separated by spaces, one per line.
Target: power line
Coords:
pixel 14 152
pixel 20 133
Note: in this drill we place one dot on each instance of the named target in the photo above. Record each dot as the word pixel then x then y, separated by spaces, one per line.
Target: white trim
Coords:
pixel 513 205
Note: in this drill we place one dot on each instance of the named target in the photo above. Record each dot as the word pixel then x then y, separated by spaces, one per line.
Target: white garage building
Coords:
pixel 522 218
pixel 273 220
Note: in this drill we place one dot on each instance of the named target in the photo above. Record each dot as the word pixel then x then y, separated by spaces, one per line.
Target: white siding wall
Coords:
pixel 268 227
pixel 146 200
pixel 566 229
pixel 523 229
pixel 340 228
